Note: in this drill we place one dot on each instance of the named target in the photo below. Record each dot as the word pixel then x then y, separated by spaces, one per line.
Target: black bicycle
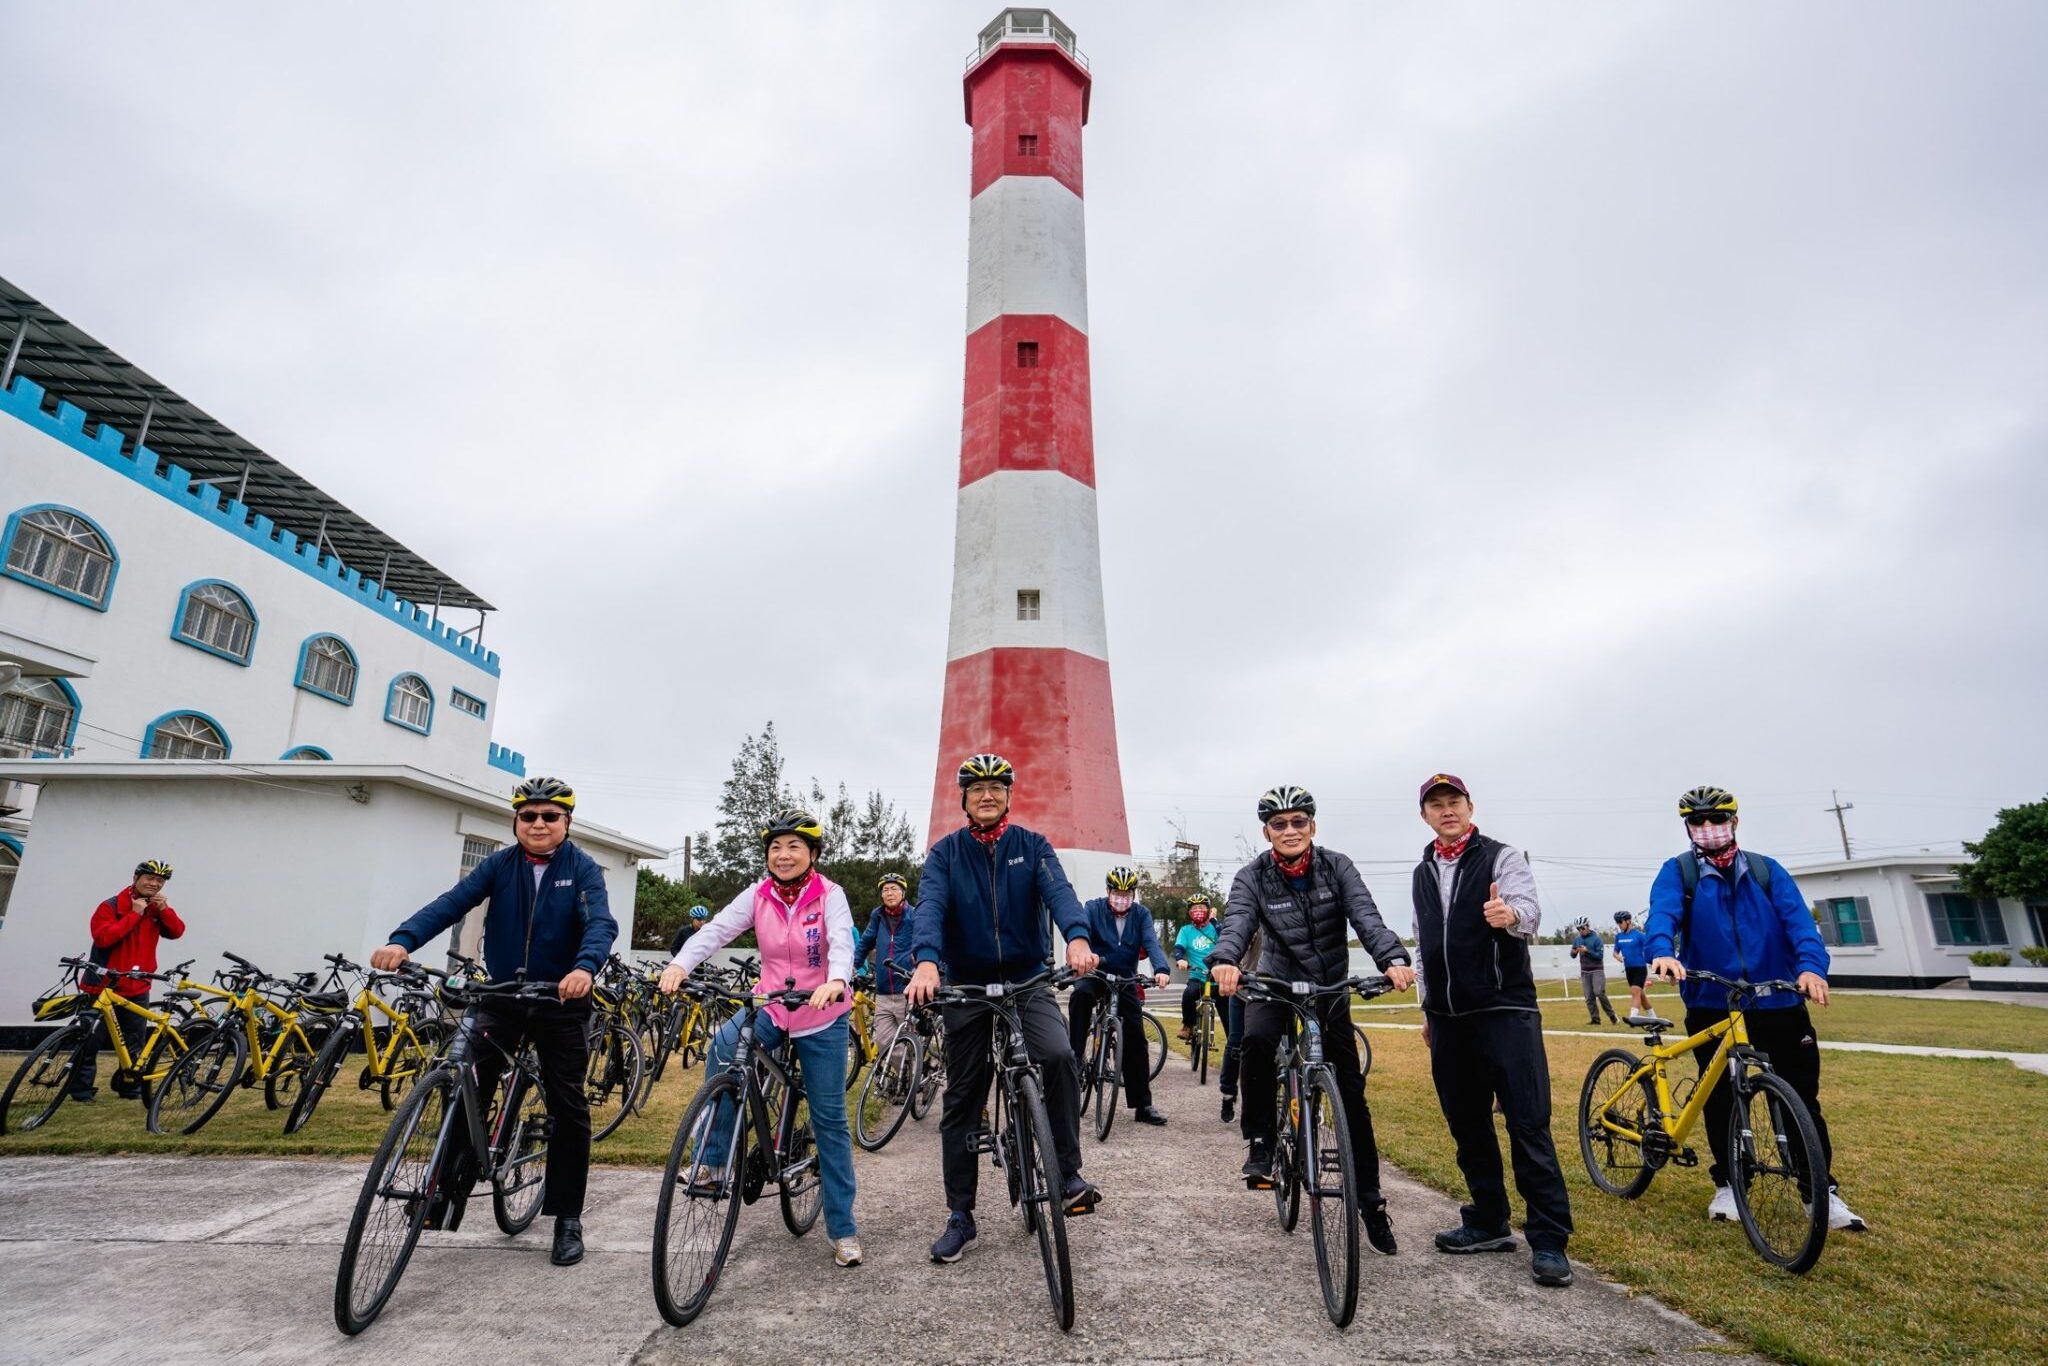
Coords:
pixel 444 1138
pixel 908 1075
pixel 1102 1074
pixel 1208 1032
pixel 1019 1137
pixel 1312 1136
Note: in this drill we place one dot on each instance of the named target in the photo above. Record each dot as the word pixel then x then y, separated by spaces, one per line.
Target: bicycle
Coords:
pixel 444 1138
pixel 759 1093
pixel 1312 1136
pixel 611 1081
pixel 42 1083
pixel 397 1052
pixel 906 1078
pixel 860 1022
pixel 1102 1055
pixel 1207 1034
pixel 1632 1123
pixel 270 1046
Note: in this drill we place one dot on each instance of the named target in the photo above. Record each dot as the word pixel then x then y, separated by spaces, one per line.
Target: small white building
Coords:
pixel 1903 920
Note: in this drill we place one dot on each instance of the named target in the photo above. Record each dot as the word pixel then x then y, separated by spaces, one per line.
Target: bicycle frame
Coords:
pixel 486 1138
pixel 108 1003
pixel 367 1006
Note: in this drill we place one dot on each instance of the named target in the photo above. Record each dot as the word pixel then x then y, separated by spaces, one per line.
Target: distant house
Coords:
pixel 1905 921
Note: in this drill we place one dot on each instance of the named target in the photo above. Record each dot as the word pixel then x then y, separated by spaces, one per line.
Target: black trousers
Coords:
pixel 560 1035
pixel 1265 1023
pixel 970 1069
pixel 134 1031
pixel 1786 1037
pixel 1474 1059
pixel 1233 1047
pixel 1137 1058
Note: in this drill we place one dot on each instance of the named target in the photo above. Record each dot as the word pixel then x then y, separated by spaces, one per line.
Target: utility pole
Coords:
pixel 1839 808
pixel 687 842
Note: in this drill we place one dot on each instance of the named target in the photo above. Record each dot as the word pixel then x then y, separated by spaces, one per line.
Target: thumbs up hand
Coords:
pixel 1499 914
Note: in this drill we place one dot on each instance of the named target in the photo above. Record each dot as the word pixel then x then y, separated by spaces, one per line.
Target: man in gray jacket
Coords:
pixel 1305 903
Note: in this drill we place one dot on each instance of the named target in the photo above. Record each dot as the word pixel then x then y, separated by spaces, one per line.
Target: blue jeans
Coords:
pixel 822 1056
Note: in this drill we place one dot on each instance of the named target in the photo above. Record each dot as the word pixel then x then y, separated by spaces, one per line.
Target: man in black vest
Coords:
pixel 1475 912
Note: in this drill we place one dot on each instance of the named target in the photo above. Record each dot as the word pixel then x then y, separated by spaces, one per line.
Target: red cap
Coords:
pixel 1450 780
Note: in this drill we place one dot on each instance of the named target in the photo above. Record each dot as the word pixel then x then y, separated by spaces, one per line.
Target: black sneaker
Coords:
pixel 1548 1266
pixel 1079 1196
pixel 82 1097
pixel 1229 1108
pixel 953 1242
pixel 1379 1230
pixel 1258 1167
pixel 1465 1238
pixel 568 1249
pixel 1151 1114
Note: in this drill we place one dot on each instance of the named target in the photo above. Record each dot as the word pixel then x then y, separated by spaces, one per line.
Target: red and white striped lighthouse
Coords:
pixel 1027 657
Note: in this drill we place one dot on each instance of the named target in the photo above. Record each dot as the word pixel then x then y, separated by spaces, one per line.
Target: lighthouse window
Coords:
pixel 1027 355
pixel 1027 144
pixel 1027 604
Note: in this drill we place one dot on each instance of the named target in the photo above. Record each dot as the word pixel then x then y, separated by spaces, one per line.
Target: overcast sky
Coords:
pixel 1592 400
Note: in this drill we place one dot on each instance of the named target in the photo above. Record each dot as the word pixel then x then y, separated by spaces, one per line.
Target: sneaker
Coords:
pixel 1186 1035
pixel 1258 1167
pixel 1840 1216
pixel 1079 1196
pixel 1229 1108
pixel 1379 1230
pixel 846 1251
pixel 1151 1114
pixel 87 1098
pixel 953 1242
pixel 1465 1238
pixel 698 1179
pixel 1722 1210
pixel 1548 1267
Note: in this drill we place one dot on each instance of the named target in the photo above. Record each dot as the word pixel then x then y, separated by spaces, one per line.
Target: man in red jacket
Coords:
pixel 125 929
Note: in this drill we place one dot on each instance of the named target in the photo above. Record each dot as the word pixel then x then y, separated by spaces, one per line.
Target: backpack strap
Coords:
pixel 1689 874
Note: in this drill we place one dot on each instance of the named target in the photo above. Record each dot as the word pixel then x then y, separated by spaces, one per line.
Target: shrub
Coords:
pixel 2037 954
pixel 1991 958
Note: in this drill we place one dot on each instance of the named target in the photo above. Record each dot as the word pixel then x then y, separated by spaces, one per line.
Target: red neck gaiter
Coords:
pixel 988 835
pixel 787 894
pixel 1449 852
pixel 1723 859
pixel 1294 867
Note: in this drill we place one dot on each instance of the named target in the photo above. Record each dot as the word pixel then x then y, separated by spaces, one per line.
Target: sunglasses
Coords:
pixel 529 817
pixel 1709 818
pixel 1289 823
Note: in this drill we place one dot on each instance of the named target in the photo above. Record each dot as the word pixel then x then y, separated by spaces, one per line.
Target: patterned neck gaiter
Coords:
pixel 1716 843
pixel 1449 852
pixel 989 834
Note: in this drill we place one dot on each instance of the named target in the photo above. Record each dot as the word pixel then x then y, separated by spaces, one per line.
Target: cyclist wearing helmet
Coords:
pixel 982 906
pixel 692 923
pixel 1740 915
pixel 1191 948
pixel 1475 912
pixel 1119 927
pixel 549 920
pixel 1631 948
pixel 887 937
pixel 804 927
pixel 125 930
pixel 1591 952
pixel 1307 902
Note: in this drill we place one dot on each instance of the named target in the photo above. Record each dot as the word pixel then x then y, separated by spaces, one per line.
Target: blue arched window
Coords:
pixel 60 550
pixel 216 617
pixel 38 719
pixel 327 666
pixel 306 752
pixel 410 703
pixel 184 735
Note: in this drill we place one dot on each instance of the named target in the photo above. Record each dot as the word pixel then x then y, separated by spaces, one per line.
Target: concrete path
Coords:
pixel 189 1260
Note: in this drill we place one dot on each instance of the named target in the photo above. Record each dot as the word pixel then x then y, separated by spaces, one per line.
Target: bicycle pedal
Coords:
pixel 1686 1157
pixel 1253 1183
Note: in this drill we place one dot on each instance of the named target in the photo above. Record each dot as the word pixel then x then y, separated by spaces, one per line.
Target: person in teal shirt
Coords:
pixel 1191 954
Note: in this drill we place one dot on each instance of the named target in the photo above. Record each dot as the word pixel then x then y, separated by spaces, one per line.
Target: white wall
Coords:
pixel 280 872
pixel 141 672
pixel 1897 892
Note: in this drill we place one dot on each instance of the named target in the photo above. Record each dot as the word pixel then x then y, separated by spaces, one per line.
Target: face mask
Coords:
pixel 1712 839
pixel 1200 918
pixel 1120 902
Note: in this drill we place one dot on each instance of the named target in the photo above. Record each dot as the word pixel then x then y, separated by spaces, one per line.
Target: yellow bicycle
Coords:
pixel 399 1040
pixel 43 1081
pixel 259 1039
pixel 1632 1123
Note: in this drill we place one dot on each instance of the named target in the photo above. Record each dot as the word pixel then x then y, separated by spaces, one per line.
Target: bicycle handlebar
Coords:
pixel 87 965
pixel 1266 987
pixel 971 993
pixel 1747 989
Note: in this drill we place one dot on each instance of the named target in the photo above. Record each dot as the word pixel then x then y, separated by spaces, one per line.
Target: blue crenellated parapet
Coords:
pixel 108 445
pixel 511 760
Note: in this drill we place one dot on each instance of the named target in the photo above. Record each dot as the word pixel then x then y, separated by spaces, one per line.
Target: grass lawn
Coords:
pixel 1941 1156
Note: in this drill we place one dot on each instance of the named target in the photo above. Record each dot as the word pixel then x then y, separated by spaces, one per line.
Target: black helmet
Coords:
pixel 1706 800
pixel 1286 797
pixel 544 790
pixel 1623 917
pixel 153 867
pixel 977 768
pixel 802 824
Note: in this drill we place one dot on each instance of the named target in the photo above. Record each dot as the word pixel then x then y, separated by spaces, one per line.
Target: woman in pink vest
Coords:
pixel 804 928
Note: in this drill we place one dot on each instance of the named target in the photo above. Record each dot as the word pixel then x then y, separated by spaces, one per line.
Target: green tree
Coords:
pixel 2012 858
pixel 753 794
pixel 660 905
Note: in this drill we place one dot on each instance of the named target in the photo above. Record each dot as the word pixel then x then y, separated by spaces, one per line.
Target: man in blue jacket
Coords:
pixel 888 938
pixel 548 921
pixel 1740 915
pixel 1632 947
pixel 982 904
pixel 1120 928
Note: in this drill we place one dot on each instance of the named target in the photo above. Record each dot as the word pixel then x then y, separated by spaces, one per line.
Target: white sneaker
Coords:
pixel 1840 1216
pixel 1723 1207
pixel 846 1251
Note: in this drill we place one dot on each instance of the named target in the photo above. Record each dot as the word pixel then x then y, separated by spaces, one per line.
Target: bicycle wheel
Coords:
pixel 699 1205
pixel 1205 1039
pixel 1364 1051
pixel 199 1083
pixel 319 1076
pixel 892 1087
pixel 858 1050
pixel 1778 1173
pixel 43 1080
pixel 392 1205
pixel 1155 1037
pixel 931 1076
pixel 287 1075
pixel 1613 1118
pixel 1332 1184
pixel 1039 1177
pixel 1109 1072
pixel 1286 1168
pixel 800 1189
pixel 414 1057
pixel 520 1184
pixel 612 1078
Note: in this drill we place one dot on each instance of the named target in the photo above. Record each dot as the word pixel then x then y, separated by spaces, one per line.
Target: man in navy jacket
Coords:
pixel 982 904
pixel 1120 928
pixel 548 921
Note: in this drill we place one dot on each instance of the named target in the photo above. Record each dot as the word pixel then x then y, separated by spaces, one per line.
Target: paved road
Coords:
pixel 198 1260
